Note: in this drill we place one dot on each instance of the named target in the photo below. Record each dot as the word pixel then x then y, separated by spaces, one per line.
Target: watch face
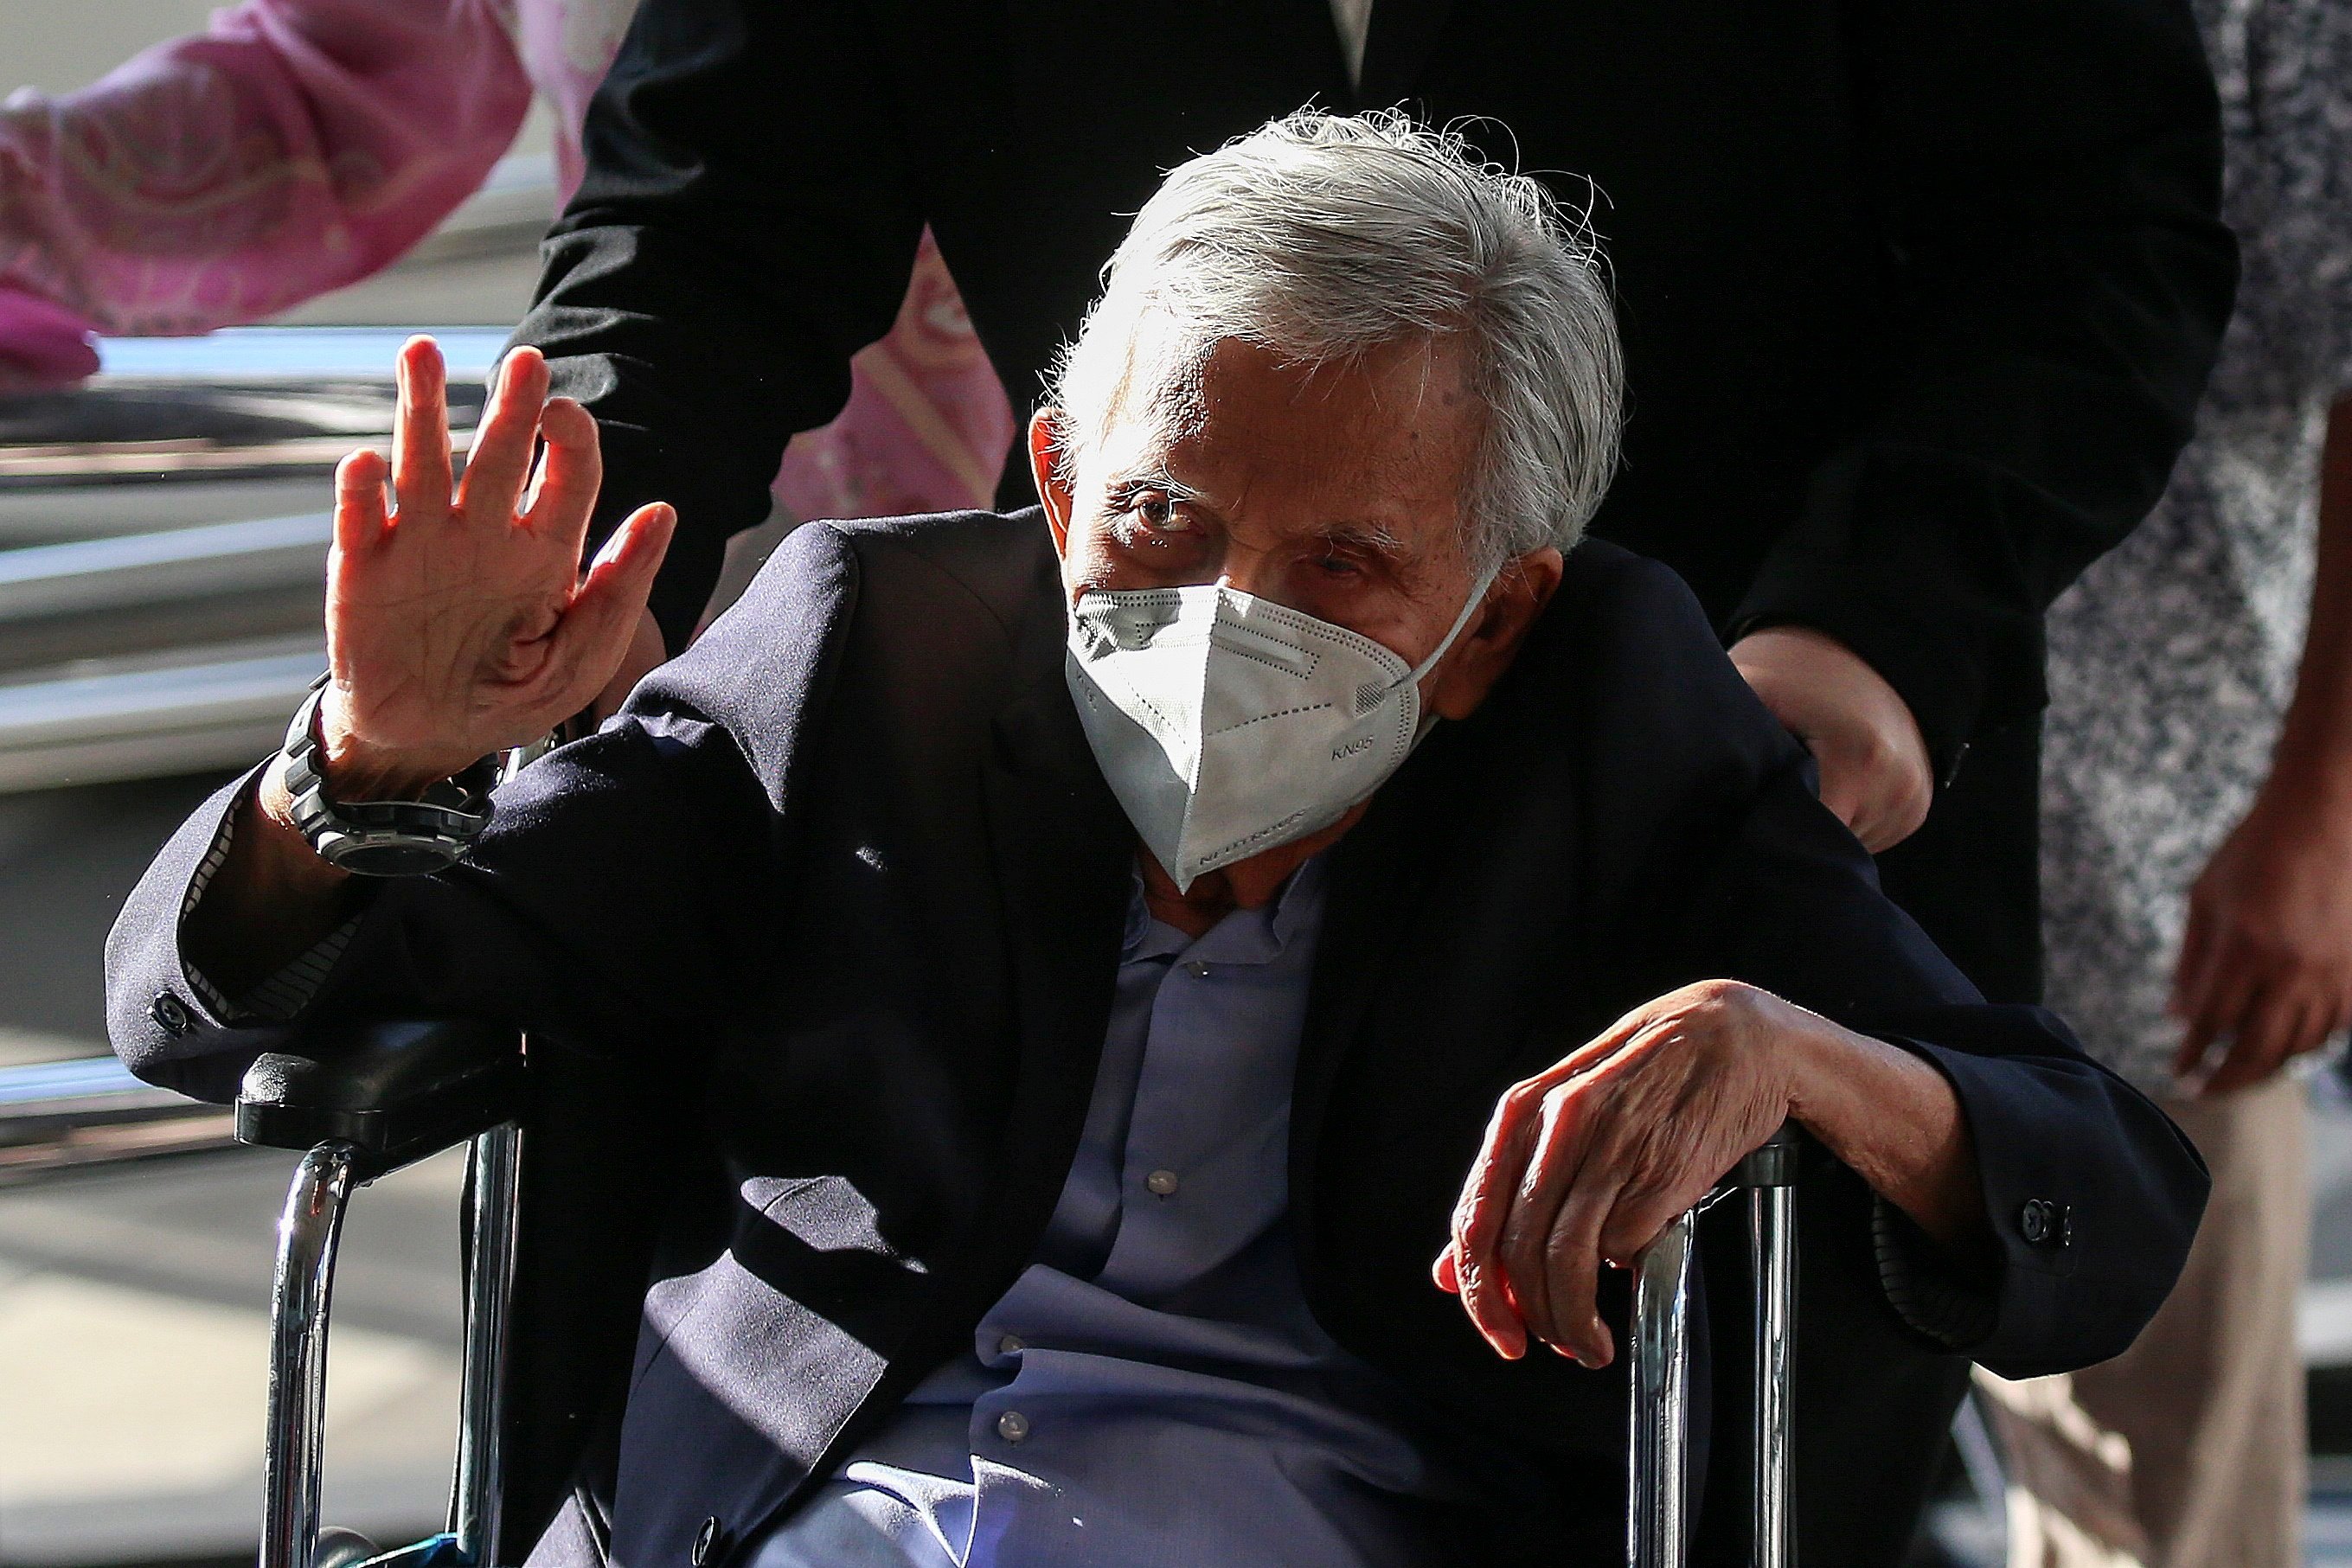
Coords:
pixel 409 859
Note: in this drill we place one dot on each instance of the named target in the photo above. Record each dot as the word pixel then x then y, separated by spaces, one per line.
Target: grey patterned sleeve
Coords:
pixel 281 997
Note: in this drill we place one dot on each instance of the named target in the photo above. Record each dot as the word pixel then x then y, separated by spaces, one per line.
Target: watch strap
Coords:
pixel 380 838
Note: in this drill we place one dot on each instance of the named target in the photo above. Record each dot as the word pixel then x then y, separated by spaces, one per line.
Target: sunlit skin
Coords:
pixel 461 623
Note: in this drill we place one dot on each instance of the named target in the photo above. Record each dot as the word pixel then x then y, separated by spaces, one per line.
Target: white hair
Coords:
pixel 1321 238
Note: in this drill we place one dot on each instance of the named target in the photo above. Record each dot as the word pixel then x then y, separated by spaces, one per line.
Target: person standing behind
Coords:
pixel 2197 849
pixel 297 146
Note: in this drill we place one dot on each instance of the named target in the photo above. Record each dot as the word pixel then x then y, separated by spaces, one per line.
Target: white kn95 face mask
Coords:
pixel 1227 724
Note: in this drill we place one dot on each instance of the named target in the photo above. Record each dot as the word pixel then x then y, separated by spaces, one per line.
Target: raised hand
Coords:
pixel 460 624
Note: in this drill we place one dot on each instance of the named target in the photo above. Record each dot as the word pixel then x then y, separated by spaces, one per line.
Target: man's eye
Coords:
pixel 1158 513
pixel 1158 520
pixel 1339 566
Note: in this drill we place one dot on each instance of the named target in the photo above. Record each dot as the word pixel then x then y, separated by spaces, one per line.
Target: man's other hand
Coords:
pixel 460 624
pixel 1873 758
pixel 1585 1162
pixel 2267 959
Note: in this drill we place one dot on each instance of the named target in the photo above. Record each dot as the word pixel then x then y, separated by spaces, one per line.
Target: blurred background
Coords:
pixel 162 531
pixel 161 538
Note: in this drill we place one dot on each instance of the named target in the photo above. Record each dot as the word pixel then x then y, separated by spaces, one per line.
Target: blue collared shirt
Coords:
pixel 1152 1390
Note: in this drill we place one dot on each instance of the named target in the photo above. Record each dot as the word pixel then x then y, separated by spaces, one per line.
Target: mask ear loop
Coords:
pixel 1469 608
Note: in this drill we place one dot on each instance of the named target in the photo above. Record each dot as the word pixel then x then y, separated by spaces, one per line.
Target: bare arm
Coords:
pixel 1585 1162
pixel 456 627
pixel 2267 960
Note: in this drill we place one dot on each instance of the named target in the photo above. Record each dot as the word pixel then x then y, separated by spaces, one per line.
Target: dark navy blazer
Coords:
pixel 846 883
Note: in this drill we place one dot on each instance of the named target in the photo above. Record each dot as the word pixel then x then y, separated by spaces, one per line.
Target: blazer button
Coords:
pixel 2046 1224
pixel 706 1544
pixel 169 1013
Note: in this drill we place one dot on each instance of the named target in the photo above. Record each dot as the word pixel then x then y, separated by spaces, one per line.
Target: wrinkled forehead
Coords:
pixel 1386 437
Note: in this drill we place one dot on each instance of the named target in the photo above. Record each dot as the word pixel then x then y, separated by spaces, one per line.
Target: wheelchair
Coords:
pixel 365 1101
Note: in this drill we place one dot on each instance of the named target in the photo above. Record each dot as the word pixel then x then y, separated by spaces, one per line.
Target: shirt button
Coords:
pixel 1011 1343
pixel 1163 1184
pixel 706 1541
pixel 1197 969
pixel 169 1013
pixel 1013 1425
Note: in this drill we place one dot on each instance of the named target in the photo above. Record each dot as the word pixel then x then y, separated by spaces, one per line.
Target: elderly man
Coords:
pixel 1121 1011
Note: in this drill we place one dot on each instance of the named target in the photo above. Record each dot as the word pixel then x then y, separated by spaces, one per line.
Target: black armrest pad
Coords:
pixel 396 1092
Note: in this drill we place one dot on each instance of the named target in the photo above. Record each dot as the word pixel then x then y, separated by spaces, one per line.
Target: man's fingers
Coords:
pixel 574 468
pixel 1488 1194
pixel 1478 1221
pixel 1553 1165
pixel 360 516
pixel 500 460
pixel 420 430
pixel 1571 1255
pixel 1640 1215
pixel 594 635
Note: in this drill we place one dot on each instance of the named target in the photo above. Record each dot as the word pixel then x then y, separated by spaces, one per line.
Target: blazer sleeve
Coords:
pixel 2049 182
pixel 1768 887
pixel 746 223
pixel 610 905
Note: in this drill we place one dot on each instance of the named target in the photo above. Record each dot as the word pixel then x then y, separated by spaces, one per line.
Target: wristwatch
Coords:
pixel 380 838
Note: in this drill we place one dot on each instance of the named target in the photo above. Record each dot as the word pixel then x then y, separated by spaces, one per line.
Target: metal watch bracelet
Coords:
pixel 379 838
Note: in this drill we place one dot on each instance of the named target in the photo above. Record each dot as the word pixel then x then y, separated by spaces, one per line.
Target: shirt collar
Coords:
pixel 1244 936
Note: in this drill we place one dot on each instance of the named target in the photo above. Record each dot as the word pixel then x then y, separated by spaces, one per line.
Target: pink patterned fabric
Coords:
pixel 299 145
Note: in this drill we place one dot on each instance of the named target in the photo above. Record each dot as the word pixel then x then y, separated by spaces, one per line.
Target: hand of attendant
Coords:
pixel 2267 960
pixel 461 623
pixel 1873 759
pixel 1586 1163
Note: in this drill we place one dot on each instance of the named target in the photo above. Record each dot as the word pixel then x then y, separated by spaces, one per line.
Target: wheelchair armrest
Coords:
pixel 396 1092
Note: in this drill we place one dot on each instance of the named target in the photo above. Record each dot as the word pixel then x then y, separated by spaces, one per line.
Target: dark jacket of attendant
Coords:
pixel 1917 296
pixel 846 884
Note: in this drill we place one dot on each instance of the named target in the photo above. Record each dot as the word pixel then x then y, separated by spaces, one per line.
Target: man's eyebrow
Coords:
pixel 1372 538
pixel 1153 476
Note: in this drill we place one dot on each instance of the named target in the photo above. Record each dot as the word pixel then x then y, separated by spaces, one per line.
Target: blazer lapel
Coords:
pixel 1403 35
pixel 1378 873
pixel 1064 854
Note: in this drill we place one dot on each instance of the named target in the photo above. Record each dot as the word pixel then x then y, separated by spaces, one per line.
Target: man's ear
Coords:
pixel 1491 641
pixel 1051 469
